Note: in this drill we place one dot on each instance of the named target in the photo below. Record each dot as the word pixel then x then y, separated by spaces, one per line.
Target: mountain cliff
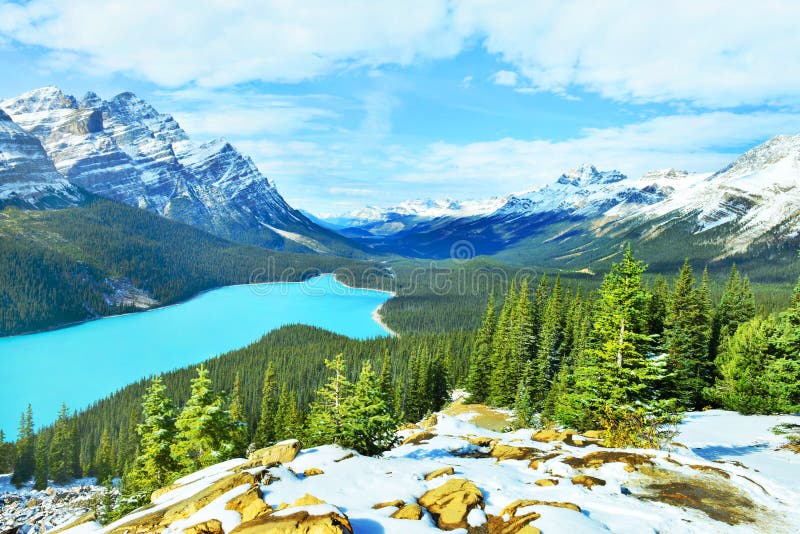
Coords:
pixel 125 150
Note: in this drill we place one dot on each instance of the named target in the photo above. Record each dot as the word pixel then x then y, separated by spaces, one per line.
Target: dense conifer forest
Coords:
pixel 62 266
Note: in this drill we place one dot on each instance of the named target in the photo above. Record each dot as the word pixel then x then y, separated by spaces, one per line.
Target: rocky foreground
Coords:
pixel 449 474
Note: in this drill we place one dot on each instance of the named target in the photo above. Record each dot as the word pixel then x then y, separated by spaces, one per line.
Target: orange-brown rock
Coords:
pixel 397 503
pixel 409 511
pixel 308 500
pixel 312 472
pixel 212 526
pixel 511 509
pixel 513 525
pixel 512 452
pixel 440 473
pixel 548 435
pixel 597 459
pixel 480 441
pixel 588 481
pixel 249 504
pixel 280 453
pixel 430 422
pixel 451 502
pixel 544 482
pixel 419 437
pixel 302 521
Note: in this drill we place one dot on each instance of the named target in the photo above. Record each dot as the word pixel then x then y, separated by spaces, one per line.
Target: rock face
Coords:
pixel 125 150
pixel 280 453
pixel 451 502
pixel 28 178
pixel 320 519
pixel 50 510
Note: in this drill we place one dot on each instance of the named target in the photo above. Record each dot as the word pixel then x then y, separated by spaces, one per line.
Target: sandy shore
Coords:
pixel 376 316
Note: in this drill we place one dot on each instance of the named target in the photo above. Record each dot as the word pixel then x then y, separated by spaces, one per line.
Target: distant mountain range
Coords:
pixel 53 145
pixel 752 204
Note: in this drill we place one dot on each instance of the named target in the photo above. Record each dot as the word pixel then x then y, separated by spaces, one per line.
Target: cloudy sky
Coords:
pixel 350 103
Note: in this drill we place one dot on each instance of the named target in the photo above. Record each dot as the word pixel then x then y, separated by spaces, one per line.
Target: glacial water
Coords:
pixel 83 363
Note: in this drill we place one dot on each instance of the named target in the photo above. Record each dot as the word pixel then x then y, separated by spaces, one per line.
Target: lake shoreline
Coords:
pixel 70 324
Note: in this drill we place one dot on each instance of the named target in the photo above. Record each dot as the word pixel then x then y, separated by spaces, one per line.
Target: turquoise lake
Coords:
pixel 83 363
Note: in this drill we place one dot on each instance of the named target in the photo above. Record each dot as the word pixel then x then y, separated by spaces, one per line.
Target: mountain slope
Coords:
pixel 66 265
pixel 123 149
pixel 748 211
pixel 28 178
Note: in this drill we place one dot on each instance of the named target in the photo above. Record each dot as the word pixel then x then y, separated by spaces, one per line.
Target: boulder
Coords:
pixel 451 502
pixel 308 500
pixel 249 504
pixel 280 453
pixel 544 482
pixel 430 422
pixel 513 525
pixel 439 473
pixel 312 472
pixel 599 458
pixel 212 526
pixel 313 520
pixel 158 520
pixel 511 509
pixel 549 435
pixel 418 438
pixel 480 441
pixel 593 434
pixel 512 452
pixel 398 503
pixel 588 481
pixel 409 511
pixel 162 491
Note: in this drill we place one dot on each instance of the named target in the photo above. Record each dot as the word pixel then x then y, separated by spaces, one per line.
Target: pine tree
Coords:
pixel 503 379
pixel 60 461
pixel 480 364
pixel 736 306
pixel 524 410
pixel 368 424
pixel 436 393
pixel 7 454
pixel 688 333
pixel 613 371
pixel 204 427
pixel 657 311
pixel 325 420
pixel 154 465
pixel 104 458
pixel 387 387
pixel 41 457
pixel 240 438
pixel 287 407
pixel 550 335
pixel 265 431
pixel 26 450
pixel 785 369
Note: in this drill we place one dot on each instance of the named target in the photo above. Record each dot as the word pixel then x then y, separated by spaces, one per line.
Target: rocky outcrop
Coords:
pixel 588 481
pixel 440 473
pixel 321 519
pixel 451 502
pixel 51 510
pixel 212 526
pixel 249 504
pixel 409 511
pixel 280 453
pixel 419 437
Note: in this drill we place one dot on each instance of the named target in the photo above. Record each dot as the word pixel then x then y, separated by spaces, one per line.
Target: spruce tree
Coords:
pixel 785 369
pixel 41 457
pixel 387 387
pixel 203 426
pixel 284 414
pixel 502 384
pixel 325 420
pixel 154 466
pixel 480 363
pixel 60 461
pixel 524 409
pixel 265 431
pixel 26 449
pixel 104 459
pixel 613 371
pixel 240 438
pixel 550 335
pixel 368 424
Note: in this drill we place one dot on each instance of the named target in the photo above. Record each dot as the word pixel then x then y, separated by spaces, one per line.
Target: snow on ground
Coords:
pixel 695 489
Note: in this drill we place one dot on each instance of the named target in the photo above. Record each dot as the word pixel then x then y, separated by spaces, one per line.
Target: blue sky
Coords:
pixel 350 103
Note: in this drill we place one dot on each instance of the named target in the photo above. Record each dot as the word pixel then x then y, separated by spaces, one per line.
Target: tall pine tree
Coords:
pixel 480 364
pixel 26 449
pixel 265 431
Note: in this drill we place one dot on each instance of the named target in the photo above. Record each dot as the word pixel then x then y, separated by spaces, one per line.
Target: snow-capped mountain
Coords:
pixel 27 176
pixel 754 201
pixel 125 150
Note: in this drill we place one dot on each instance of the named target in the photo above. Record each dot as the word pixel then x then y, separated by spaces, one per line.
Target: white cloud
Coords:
pixel 505 77
pixel 711 53
pixel 466 82
pixel 220 43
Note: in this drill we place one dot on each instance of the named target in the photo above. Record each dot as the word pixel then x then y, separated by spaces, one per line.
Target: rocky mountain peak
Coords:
pixel 587 174
pixel 90 100
pixel 44 99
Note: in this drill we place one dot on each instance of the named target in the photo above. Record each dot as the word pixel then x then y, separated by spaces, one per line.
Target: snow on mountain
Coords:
pixel 125 150
pixel 27 176
pixel 758 193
